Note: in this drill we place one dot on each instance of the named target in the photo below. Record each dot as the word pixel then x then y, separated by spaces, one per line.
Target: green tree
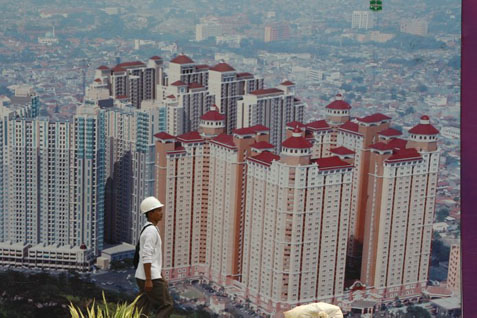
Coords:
pixel 442 214
pixel 417 312
pixel 440 252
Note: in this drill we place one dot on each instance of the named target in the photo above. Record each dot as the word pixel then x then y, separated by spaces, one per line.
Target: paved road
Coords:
pixel 122 280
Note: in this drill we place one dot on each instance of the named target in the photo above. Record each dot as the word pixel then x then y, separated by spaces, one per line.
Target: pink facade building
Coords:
pixel 296 226
pixel 277 32
pixel 453 275
pixel 282 229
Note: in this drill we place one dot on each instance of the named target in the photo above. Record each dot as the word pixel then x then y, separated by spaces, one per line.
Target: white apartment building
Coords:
pixel 185 91
pixel 228 86
pixel 182 68
pixel 194 100
pixel 273 108
pixel 52 181
pixel 134 80
pixel 8 114
pixel 415 26
pixel 87 179
pixel 205 30
pixel 53 256
pixel 130 167
pixel 37 188
pixel 363 20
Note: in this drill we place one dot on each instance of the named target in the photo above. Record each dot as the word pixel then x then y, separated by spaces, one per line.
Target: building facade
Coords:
pixel 296 225
pixel 135 81
pixel 362 20
pixel 453 275
pixel 228 86
pixel 130 167
pixel 272 108
pixel 53 182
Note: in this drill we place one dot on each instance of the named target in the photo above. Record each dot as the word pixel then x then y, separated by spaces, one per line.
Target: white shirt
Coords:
pixel 150 252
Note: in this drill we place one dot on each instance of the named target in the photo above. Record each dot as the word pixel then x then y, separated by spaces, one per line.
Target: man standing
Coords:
pixel 154 293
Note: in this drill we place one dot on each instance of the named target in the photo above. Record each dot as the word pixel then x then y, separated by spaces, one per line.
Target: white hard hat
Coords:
pixel 315 310
pixel 149 204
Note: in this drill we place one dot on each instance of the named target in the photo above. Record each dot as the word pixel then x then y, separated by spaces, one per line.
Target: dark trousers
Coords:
pixel 158 299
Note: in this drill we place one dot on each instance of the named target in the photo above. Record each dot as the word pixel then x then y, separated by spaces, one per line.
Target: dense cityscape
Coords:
pixel 304 151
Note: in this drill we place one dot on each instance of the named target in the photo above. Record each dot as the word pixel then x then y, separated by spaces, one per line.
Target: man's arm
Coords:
pixel 147 272
pixel 147 257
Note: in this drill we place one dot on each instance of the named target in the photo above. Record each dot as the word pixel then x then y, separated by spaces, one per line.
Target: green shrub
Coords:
pixel 105 311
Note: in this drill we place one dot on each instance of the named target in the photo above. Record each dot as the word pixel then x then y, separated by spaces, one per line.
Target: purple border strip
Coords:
pixel 469 156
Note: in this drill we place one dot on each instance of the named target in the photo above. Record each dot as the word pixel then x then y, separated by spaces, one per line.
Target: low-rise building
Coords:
pixel 53 256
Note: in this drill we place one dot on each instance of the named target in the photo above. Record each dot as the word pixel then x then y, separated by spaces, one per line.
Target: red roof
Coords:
pixel 296 143
pixel 102 67
pixel 244 131
pixel 409 154
pixel 213 115
pixel 121 97
pixel 178 83
pixel 378 117
pixel 398 143
pixel 262 145
pixel 266 91
pixel 131 64
pixel 297 130
pixel 266 158
pixel 202 66
pixel 97 80
pixel 342 151
pixel 155 57
pixel 295 124
pixel 118 68
pixel 424 129
pixel 425 117
pixel 244 74
pixel 222 67
pixel 390 132
pixel 339 104
pixel 287 83
pixel 164 136
pixel 192 136
pixel 182 59
pixel 317 125
pixel 381 146
pixel 224 140
pixel 350 126
pixel 171 96
pixel 195 85
pixel 260 128
pixel 332 163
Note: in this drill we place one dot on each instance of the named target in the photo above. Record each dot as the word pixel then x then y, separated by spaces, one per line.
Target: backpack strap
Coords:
pixel 143 230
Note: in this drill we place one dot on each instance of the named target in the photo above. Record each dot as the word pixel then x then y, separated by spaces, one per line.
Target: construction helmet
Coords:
pixel 149 204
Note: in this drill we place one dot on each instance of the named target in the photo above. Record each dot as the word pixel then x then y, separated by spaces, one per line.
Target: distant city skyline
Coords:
pixel 221 109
